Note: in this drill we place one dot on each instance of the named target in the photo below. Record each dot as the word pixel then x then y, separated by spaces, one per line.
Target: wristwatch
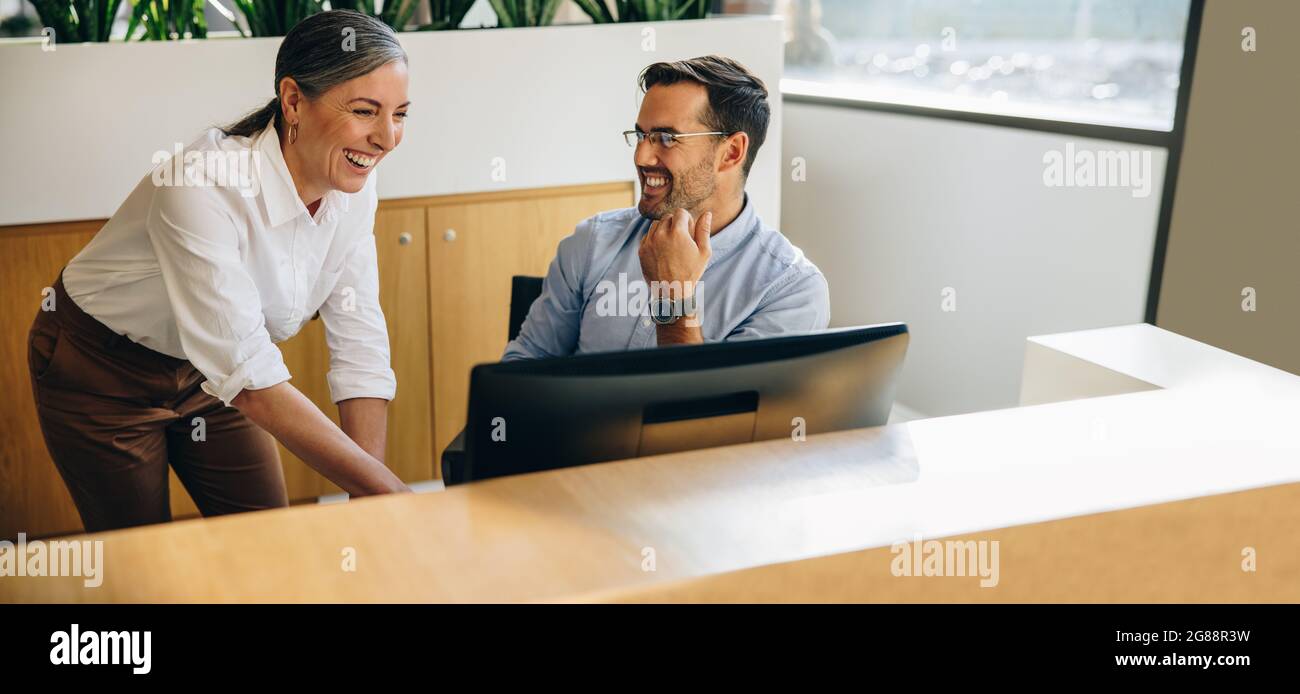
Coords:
pixel 665 311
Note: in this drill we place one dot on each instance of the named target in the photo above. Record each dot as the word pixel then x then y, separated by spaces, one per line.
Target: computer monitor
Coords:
pixel 527 416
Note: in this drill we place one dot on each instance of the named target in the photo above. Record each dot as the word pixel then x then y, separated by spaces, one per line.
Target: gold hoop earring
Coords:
pixel 293 133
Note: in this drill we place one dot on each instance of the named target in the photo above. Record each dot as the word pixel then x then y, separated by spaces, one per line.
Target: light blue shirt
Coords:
pixel 595 299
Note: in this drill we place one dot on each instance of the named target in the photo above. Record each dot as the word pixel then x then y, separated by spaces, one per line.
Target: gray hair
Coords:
pixel 319 53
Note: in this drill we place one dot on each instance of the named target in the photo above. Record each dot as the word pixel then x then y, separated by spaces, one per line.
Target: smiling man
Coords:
pixel 692 262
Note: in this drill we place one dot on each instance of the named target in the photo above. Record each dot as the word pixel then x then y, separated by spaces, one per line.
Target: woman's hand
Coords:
pixel 284 412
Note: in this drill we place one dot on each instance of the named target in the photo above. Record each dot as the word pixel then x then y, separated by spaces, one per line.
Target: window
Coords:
pixel 1103 62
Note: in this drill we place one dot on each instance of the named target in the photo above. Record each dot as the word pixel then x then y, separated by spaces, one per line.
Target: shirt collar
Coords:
pixel 738 230
pixel 281 196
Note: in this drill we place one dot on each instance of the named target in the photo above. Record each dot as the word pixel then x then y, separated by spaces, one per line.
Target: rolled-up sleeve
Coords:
pixel 215 302
pixel 555 318
pixel 355 329
pixel 801 303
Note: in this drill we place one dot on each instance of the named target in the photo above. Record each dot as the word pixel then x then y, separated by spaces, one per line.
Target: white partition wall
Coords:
pixel 896 209
pixel 545 106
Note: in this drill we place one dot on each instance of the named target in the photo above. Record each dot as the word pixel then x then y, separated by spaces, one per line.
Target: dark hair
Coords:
pixel 737 99
pixel 313 53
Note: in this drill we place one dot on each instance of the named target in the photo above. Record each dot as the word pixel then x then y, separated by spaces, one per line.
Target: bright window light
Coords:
pixel 1106 62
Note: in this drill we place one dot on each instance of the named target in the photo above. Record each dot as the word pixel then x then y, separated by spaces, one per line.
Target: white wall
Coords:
pixel 895 208
pixel 82 122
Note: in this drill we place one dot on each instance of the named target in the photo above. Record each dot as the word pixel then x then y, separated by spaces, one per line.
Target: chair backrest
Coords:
pixel 524 291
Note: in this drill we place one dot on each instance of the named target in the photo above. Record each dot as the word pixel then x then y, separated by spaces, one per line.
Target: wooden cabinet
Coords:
pixel 476 243
pixel 33 499
pixel 445 265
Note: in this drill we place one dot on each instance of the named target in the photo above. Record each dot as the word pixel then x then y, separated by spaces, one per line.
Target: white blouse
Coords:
pixel 216 271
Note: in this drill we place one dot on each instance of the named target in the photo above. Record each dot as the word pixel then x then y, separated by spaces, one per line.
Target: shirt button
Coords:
pixel 646 322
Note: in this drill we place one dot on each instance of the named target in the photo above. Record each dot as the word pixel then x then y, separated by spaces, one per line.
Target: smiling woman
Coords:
pixel 338 99
pixel 158 346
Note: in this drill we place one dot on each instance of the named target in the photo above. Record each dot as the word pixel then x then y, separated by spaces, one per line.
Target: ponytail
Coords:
pixel 256 121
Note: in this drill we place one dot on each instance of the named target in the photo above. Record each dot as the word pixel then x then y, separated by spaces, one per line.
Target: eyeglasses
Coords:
pixel 663 139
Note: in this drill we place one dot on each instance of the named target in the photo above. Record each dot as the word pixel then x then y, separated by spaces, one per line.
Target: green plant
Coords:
pixel 447 14
pixel 275 17
pixel 643 10
pixel 396 13
pixel 16 25
pixel 525 13
pixel 78 20
pixel 167 19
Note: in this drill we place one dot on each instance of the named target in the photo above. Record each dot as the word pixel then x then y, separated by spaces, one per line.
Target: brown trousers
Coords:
pixel 115 414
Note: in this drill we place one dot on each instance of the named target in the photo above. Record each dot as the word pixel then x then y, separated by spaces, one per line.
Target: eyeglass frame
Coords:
pixel 642 135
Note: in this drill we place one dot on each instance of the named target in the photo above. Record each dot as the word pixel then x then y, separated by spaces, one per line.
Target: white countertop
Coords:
pixel 1217 423
pixel 1166 359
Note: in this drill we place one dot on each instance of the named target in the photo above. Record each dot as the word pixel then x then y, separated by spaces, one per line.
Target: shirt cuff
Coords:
pixel 346 384
pixel 262 370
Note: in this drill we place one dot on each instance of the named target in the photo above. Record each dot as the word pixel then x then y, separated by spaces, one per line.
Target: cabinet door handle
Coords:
pixel 405 238
pixel 449 235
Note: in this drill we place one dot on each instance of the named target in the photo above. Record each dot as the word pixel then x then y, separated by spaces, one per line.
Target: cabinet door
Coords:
pixel 33 499
pixel 403 295
pixel 476 243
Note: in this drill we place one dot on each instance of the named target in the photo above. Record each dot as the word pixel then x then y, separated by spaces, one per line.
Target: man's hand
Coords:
pixel 673 256
pixel 676 249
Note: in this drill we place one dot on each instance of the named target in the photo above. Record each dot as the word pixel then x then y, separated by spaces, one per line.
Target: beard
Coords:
pixel 685 191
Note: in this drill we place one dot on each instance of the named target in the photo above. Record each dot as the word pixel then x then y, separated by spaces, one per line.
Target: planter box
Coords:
pixel 84 120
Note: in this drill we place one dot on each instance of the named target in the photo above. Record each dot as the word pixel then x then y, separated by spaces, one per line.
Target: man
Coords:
pixel 692 262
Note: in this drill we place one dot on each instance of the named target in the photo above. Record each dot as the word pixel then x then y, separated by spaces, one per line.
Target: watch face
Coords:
pixel 663 311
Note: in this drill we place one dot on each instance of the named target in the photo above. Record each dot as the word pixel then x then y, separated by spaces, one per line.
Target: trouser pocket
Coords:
pixel 43 345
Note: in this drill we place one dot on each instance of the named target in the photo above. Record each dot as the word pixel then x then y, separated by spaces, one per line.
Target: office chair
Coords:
pixel 524 290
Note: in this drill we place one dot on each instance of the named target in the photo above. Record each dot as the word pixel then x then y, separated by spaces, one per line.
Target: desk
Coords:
pixel 1138 496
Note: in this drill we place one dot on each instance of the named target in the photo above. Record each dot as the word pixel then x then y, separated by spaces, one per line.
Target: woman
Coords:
pixel 160 346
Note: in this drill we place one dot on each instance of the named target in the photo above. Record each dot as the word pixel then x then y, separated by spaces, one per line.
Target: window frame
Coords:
pixel 1169 140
